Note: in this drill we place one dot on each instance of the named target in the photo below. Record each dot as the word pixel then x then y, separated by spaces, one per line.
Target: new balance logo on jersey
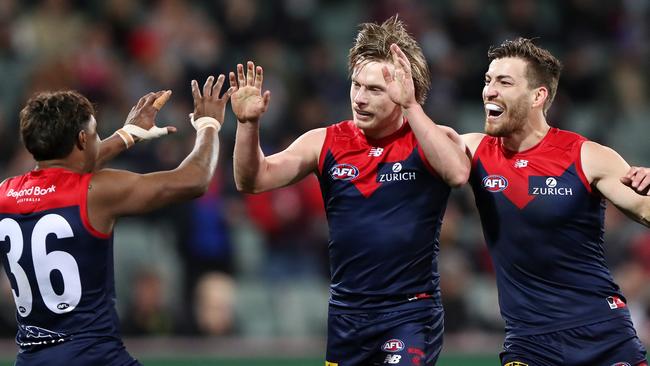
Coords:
pixel 396 175
pixel 520 163
pixel 392 359
pixel 376 151
pixel 615 302
pixel 547 186
pixel 344 172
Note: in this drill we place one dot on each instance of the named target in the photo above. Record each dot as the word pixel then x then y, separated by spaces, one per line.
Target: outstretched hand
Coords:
pixel 638 179
pixel 399 84
pixel 248 101
pixel 209 104
pixel 143 114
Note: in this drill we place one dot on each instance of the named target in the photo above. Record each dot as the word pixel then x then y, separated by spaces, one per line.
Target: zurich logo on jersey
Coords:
pixel 344 172
pixel 495 183
pixel 393 345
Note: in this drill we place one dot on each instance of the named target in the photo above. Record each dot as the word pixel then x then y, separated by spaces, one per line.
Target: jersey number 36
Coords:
pixel 44 264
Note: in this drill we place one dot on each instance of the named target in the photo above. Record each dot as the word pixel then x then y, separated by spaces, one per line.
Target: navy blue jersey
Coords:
pixel 60 268
pixel 544 228
pixel 384 205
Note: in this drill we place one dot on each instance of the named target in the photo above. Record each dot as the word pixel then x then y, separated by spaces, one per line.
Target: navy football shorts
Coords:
pixel 403 338
pixel 609 343
pixel 79 352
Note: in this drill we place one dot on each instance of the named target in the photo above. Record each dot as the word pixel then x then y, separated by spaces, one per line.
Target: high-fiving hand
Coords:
pixel 209 104
pixel 399 83
pixel 248 102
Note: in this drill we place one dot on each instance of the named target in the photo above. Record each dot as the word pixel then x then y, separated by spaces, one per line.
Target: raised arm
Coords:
pixel 625 187
pixel 253 171
pixel 115 193
pixel 142 125
pixel 442 152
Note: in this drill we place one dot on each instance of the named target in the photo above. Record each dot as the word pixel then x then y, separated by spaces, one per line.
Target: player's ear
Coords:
pixel 81 140
pixel 539 96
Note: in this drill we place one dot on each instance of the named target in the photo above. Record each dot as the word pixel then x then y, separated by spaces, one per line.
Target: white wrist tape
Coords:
pixel 204 122
pixel 152 133
pixel 126 137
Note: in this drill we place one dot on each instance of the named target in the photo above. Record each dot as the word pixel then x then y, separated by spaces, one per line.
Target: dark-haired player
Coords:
pixel 56 222
pixel 541 196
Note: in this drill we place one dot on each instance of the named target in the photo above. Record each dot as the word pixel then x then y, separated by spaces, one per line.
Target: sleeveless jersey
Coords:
pixel 384 206
pixel 544 228
pixel 60 268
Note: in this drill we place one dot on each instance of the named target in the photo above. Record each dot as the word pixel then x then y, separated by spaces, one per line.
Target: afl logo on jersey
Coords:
pixel 393 345
pixel 495 183
pixel 344 172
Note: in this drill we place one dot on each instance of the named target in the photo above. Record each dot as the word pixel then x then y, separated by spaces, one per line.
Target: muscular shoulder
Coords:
pixel 599 161
pixel 472 140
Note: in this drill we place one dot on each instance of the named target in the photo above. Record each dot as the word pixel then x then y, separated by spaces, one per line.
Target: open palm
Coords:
pixel 399 85
pixel 248 101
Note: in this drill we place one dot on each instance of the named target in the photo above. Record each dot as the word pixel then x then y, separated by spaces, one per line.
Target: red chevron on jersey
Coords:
pixel 508 172
pixel 358 158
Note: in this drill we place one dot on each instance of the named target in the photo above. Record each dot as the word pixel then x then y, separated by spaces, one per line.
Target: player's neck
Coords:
pixel 75 166
pixel 528 136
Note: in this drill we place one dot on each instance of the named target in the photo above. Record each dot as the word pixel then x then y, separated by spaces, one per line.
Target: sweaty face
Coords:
pixel 372 109
pixel 506 97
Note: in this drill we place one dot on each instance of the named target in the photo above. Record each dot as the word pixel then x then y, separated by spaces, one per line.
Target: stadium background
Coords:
pixel 235 279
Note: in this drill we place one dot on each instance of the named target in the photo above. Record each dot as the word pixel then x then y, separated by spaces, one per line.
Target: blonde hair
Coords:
pixel 373 44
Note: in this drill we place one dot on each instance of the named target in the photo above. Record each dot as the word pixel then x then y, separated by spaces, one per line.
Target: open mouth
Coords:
pixel 362 113
pixel 493 110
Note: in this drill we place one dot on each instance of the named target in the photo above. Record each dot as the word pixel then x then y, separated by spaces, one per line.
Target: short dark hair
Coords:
pixel 373 44
pixel 51 121
pixel 543 68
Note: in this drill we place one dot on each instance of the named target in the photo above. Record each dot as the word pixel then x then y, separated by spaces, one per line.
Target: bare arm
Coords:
pixel 115 193
pixel 145 119
pixel 442 153
pixel 608 172
pixel 253 171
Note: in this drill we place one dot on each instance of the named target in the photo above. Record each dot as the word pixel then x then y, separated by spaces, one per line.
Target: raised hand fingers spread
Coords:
pixel 250 73
pixel 241 79
pixel 207 87
pixel 259 77
pixel 142 100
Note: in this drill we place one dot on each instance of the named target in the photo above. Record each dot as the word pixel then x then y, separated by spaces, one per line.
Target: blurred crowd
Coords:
pixel 256 265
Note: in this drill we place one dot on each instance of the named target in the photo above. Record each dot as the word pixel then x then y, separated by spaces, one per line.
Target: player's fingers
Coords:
pixel 240 76
pixel 638 178
pixel 632 172
pixel 161 98
pixel 250 73
pixel 259 77
pixel 170 129
pixel 229 93
pixel 216 89
pixel 266 98
pixel 207 87
pixel 388 77
pixel 142 100
pixel 233 81
pixel 626 180
pixel 644 185
pixel 196 94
